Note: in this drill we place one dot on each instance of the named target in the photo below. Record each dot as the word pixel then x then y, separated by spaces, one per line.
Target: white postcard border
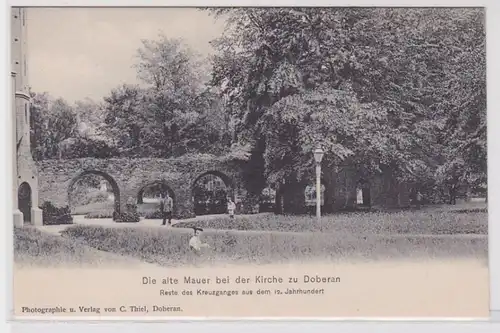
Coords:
pixel 493 52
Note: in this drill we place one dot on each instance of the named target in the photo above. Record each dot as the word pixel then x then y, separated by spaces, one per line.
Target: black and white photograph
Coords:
pixel 256 162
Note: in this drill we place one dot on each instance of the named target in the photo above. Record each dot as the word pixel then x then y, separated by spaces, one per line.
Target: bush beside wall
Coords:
pixel 126 217
pixel 53 215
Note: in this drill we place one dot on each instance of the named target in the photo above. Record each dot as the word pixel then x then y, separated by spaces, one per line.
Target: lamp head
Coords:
pixel 318 154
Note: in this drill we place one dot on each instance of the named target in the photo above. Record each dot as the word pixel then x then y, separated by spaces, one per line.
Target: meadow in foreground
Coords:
pixel 169 247
pixel 33 247
pixel 430 233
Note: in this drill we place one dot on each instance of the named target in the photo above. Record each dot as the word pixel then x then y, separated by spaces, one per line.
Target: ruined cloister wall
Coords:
pixel 129 176
pixel 342 184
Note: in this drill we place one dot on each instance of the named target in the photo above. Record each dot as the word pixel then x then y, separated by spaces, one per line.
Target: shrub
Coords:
pixel 131 207
pixel 53 215
pixel 153 215
pixel 126 217
pixel 99 215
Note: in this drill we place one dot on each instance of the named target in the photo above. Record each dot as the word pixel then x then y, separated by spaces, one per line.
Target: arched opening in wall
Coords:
pixel 95 194
pixel 149 199
pixel 310 198
pixel 211 191
pixel 267 202
pixel 363 194
pixel 24 201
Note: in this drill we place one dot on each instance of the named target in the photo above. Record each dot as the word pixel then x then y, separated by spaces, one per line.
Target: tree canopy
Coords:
pixel 379 87
pixel 400 89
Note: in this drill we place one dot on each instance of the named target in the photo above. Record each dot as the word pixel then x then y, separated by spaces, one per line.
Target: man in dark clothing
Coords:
pixel 166 205
pixel 419 199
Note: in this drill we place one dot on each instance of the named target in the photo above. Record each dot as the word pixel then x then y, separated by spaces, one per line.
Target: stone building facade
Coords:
pixel 25 180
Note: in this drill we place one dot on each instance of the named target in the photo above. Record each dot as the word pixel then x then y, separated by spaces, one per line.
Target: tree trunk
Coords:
pixel 468 196
pixel 294 199
pixel 278 202
pixel 453 196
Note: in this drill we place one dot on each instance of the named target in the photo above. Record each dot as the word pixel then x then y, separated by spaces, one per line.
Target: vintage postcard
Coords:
pixel 249 162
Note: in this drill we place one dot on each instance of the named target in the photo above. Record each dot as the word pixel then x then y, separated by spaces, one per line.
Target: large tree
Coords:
pixel 369 84
pixel 173 112
pixel 62 130
pixel 53 122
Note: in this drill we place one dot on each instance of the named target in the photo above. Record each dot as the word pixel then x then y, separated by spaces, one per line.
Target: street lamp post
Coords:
pixel 318 156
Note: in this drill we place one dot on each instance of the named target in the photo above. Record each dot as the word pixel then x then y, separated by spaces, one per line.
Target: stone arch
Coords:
pixel 111 181
pixel 229 183
pixel 310 196
pixel 25 200
pixel 268 199
pixel 161 183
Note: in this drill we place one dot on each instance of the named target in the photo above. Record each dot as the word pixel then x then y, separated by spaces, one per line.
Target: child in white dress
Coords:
pixel 231 207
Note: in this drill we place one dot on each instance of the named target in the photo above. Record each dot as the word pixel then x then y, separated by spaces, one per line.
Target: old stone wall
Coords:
pixel 341 186
pixel 129 176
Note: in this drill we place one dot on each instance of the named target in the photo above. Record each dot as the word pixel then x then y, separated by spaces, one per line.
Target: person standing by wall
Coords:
pixel 166 206
pixel 419 199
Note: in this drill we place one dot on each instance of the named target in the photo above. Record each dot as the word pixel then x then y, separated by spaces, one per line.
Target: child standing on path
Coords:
pixel 231 206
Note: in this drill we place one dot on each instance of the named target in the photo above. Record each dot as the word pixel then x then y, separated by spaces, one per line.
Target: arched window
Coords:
pixel 94 192
pixel 211 192
pixel 267 200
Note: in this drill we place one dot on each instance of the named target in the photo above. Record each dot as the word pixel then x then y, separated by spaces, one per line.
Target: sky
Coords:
pixel 78 53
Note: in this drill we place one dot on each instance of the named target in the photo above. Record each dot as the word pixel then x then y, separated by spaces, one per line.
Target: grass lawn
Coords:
pixel 95 207
pixel 105 209
pixel 435 232
pixel 169 246
pixel 33 247
pixel 431 220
